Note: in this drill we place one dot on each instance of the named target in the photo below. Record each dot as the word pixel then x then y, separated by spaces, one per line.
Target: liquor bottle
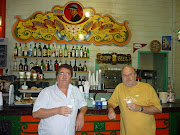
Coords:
pixel 15 64
pixel 25 50
pixel 42 65
pixel 60 62
pixel 60 51
pixel 56 65
pixel 75 67
pixel 85 53
pixel 80 66
pixel 69 51
pixel 85 67
pixel 36 64
pixel 50 66
pixel 88 53
pixel 46 66
pixel 31 65
pixel 79 81
pixel 20 66
pixel 20 50
pixel 15 50
pixel 73 52
pixel 49 51
pixel 53 51
pixel 25 65
pixel 70 63
pixel 30 51
pixel 65 51
pixel 44 51
pixel 77 51
pixel 35 50
pixel 39 50
pixel 57 51
pixel 83 80
pixel 81 52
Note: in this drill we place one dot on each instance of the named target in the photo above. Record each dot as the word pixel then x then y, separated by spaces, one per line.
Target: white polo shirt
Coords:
pixel 52 97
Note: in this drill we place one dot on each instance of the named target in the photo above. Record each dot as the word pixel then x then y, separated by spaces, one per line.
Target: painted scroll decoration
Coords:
pixel 57 26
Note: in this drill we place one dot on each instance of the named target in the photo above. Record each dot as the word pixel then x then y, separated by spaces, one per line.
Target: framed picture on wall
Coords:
pixel 166 43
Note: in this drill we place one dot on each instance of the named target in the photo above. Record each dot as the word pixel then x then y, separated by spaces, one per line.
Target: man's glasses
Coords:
pixel 64 74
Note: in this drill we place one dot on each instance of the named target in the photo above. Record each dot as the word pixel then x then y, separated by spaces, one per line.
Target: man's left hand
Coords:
pixel 79 122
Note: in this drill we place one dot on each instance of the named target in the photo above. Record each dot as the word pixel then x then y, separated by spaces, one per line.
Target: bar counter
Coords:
pixel 19 121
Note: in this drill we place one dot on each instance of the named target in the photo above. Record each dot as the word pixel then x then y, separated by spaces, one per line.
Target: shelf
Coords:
pixel 49 57
pixel 52 71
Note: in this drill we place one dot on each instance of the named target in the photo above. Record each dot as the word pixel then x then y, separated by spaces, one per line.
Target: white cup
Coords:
pixel 21 74
pixel 34 75
pixel 163 96
pixel 28 75
pixel 40 76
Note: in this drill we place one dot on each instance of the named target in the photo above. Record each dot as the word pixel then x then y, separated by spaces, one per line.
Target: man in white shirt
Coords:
pixel 57 106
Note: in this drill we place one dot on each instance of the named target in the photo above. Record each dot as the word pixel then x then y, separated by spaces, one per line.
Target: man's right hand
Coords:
pixel 64 110
pixel 111 114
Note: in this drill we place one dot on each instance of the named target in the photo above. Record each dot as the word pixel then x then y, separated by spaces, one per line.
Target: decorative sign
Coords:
pixel 113 58
pixel 73 24
pixel 137 46
pixel 166 43
pixel 155 46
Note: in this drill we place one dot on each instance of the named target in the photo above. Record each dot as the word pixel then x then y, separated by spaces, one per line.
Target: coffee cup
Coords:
pixel 40 76
pixel 163 96
pixel 28 75
pixel 21 74
pixel 34 75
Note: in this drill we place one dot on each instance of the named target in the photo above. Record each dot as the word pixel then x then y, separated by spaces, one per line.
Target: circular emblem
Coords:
pixel 155 46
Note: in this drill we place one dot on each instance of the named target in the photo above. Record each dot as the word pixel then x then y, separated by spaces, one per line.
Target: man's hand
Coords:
pixel 133 107
pixel 79 122
pixel 64 110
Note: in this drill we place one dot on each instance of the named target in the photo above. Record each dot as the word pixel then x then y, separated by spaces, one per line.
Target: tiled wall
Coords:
pixel 148 20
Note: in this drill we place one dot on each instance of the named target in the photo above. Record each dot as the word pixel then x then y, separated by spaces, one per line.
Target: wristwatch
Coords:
pixel 141 108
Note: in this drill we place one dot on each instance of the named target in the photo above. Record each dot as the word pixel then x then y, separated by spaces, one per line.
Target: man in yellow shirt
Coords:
pixel 138 102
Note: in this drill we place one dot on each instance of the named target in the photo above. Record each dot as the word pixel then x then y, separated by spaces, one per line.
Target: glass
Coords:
pixel 65 74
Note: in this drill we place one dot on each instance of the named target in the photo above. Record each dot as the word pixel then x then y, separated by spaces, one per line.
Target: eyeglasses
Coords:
pixel 64 74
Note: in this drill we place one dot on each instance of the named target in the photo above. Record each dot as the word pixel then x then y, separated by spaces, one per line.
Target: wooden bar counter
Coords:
pixel 16 120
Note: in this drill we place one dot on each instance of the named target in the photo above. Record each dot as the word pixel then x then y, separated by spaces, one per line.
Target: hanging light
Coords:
pixel 0 20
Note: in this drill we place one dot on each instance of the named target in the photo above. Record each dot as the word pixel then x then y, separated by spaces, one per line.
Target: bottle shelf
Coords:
pixel 51 71
pixel 49 57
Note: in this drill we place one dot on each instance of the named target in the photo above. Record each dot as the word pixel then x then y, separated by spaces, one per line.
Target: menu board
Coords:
pixel 3 52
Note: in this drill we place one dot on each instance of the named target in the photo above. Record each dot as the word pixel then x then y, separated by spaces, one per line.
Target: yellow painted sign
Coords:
pixel 71 24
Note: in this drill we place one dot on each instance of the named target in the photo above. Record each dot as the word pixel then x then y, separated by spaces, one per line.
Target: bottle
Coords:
pixel 42 65
pixel 83 80
pixel 70 63
pixel 46 66
pixel 60 62
pixel 49 51
pixel 30 51
pixel 88 53
pixel 57 51
pixel 80 66
pixel 56 65
pixel 85 53
pixel 25 50
pixel 73 52
pixel 36 64
pixel 79 81
pixel 81 52
pixel 25 65
pixel 20 66
pixel 15 64
pixel 69 52
pixel 85 67
pixel 16 50
pixel 44 51
pixel 53 52
pixel 77 51
pixel 39 51
pixel 35 50
pixel 171 96
pixel 60 51
pixel 50 66
pixel 20 50
pixel 31 65
pixel 65 51
pixel 75 67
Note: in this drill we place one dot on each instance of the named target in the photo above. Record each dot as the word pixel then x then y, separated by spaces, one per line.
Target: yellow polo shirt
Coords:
pixel 136 123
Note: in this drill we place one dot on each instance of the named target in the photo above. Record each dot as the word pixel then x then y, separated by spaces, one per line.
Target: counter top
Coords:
pixel 95 110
